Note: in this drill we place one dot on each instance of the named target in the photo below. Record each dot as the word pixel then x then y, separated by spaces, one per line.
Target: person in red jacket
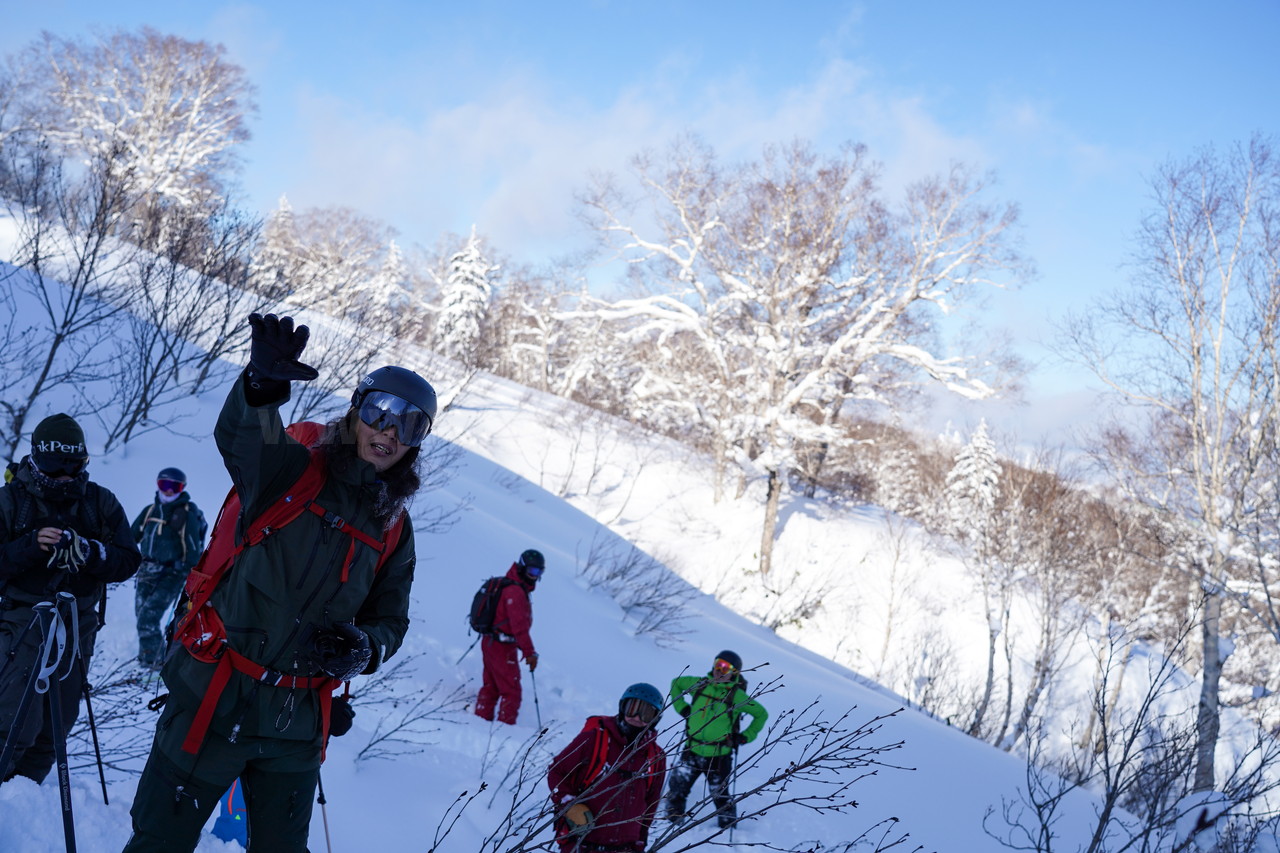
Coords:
pixel 605 785
pixel 500 687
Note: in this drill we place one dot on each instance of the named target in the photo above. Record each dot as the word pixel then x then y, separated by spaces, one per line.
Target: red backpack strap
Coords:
pixel 391 542
pixel 200 629
pixel 223 545
pixel 599 753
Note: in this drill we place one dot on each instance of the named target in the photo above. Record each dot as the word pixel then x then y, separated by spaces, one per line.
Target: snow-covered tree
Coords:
pixel 339 254
pixel 465 301
pixel 970 495
pixel 388 299
pixel 779 290
pixel 973 486
pixel 273 271
pixel 1189 352
pixel 164 113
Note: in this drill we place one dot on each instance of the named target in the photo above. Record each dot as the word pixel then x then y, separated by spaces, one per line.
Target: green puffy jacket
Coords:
pixel 276 594
pixel 712 713
pixel 172 533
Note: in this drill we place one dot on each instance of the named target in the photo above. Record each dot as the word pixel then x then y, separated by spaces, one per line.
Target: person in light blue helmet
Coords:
pixel 606 784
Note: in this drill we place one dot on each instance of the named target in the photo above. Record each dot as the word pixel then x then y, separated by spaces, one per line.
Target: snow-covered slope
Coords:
pixel 521 452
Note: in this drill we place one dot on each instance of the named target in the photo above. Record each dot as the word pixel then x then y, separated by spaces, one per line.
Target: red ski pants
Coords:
pixel 500 687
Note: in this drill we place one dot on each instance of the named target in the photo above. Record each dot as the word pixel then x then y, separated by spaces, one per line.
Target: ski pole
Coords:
pixel 468 651
pixel 54 693
pixel 536 709
pixel 93 730
pixel 733 771
pixel 324 811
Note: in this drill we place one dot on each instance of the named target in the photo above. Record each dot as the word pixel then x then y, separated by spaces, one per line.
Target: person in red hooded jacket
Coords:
pixel 500 688
pixel 605 785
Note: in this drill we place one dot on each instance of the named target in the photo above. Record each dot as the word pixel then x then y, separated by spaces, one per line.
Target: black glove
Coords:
pixel 275 348
pixel 97 556
pixel 341 716
pixel 685 711
pixel 72 553
pixel 341 652
pixel 739 738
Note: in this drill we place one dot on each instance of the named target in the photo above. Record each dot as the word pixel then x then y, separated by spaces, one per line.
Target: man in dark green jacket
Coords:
pixel 712 714
pixel 310 604
pixel 59 532
pixel 170 533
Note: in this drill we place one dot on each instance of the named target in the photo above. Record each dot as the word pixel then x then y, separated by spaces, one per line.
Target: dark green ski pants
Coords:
pixel 176 796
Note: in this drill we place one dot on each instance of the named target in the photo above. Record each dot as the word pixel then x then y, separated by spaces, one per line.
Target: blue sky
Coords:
pixel 434 116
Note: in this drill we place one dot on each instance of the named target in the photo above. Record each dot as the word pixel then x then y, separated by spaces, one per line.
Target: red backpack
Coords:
pixel 199 628
pixel 600 752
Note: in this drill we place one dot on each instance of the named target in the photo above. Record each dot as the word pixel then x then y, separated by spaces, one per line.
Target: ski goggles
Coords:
pixel 59 465
pixel 723 667
pixel 534 572
pixel 381 411
pixel 641 710
pixel 170 487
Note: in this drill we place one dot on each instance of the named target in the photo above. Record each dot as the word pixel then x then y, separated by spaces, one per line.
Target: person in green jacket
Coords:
pixel 314 602
pixel 712 716
pixel 170 533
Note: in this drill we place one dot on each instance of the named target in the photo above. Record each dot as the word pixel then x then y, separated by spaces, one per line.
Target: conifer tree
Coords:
pixel 465 302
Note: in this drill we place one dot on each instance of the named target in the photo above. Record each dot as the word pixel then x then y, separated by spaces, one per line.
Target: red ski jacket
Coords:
pixel 514 615
pixel 620 782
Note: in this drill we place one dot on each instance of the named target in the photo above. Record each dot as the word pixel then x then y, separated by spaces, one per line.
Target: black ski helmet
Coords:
pixel 531 566
pixel 403 383
pixel 731 657
pixel 175 474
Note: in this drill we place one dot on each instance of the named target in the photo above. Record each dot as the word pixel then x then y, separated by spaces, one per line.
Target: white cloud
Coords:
pixel 510 156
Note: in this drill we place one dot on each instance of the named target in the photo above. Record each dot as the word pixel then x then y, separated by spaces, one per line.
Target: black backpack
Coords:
pixel 484 606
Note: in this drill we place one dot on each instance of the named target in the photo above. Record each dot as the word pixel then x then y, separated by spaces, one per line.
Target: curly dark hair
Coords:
pixel 396 486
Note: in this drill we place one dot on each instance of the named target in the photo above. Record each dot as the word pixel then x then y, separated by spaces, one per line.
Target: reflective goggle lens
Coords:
pixel 170 487
pixel 534 572
pixel 724 667
pixel 641 710
pixel 381 410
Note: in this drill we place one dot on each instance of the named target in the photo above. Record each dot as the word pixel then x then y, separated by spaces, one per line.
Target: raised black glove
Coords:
pixel 341 716
pixel 739 738
pixel 275 348
pixel 685 711
pixel 342 651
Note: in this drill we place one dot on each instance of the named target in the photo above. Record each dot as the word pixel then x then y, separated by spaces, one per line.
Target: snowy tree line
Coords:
pixel 781 315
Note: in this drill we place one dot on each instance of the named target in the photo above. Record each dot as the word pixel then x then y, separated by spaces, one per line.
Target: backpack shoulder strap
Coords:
pixel 391 542
pixel 91 509
pixel 225 544
pixel 599 753
pixel 26 503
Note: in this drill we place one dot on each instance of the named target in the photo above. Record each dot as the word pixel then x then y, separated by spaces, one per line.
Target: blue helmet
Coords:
pixel 646 693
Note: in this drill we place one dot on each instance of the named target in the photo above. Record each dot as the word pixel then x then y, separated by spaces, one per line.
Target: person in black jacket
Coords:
pixel 59 532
